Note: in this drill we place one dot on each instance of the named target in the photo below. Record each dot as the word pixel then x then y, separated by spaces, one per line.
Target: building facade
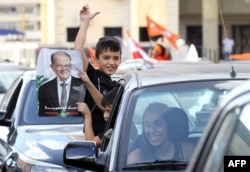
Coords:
pixel 201 22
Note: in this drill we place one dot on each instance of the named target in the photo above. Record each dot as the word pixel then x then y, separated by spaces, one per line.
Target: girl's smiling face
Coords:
pixel 155 129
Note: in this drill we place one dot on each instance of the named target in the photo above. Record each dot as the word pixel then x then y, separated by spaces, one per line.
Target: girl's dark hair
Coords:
pixel 177 123
pixel 107 42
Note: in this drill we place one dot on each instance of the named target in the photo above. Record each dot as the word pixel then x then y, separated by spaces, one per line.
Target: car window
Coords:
pixel 112 119
pixel 10 98
pixel 198 100
pixel 195 100
pixel 32 117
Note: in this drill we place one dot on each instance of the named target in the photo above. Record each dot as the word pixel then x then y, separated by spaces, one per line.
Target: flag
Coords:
pixel 154 29
pixel 92 57
pixel 137 51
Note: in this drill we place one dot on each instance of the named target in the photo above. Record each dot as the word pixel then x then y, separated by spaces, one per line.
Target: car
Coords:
pixel 29 142
pixel 8 73
pixel 227 135
pixel 133 65
pixel 193 88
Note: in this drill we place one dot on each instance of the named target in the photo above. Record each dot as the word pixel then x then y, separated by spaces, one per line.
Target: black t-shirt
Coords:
pixel 104 84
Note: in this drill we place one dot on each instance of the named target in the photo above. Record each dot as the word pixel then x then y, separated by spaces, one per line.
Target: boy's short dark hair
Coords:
pixel 107 42
pixel 109 97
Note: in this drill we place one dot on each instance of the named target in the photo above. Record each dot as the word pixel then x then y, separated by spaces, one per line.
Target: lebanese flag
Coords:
pixel 154 29
pixel 137 51
pixel 92 57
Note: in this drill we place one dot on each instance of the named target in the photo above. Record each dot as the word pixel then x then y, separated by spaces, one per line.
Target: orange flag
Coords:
pixel 154 29
pixel 92 56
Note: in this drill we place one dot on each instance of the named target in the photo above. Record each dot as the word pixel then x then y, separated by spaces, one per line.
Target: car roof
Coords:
pixel 180 72
pixel 188 72
pixel 13 66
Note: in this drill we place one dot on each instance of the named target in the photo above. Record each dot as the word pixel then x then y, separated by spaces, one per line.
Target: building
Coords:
pixel 201 22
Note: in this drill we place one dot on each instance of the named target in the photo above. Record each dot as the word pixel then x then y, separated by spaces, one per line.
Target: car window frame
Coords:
pixel 112 120
pixel 10 99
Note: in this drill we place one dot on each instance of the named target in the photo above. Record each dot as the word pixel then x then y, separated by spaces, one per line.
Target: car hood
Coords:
pixel 46 143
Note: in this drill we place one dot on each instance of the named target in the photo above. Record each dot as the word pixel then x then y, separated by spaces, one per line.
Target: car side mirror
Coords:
pixel 82 154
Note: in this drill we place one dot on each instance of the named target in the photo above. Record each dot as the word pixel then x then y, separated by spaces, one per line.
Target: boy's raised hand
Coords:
pixel 85 13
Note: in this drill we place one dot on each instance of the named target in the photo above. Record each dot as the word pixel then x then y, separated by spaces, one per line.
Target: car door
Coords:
pixel 227 135
pixel 7 127
pixel 111 122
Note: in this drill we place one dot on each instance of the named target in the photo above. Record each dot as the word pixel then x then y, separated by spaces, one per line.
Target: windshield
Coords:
pixel 31 115
pixel 168 121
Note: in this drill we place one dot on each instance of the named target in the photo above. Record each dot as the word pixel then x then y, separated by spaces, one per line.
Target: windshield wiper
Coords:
pixel 159 165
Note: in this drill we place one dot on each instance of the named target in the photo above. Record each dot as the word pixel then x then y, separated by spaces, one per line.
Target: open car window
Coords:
pixel 197 100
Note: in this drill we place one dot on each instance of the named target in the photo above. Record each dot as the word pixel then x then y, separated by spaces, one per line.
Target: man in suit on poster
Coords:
pixel 58 96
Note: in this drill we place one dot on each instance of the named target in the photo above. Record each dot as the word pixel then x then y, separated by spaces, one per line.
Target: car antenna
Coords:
pixel 232 73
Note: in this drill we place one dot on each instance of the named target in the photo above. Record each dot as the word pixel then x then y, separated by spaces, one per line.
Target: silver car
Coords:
pixel 136 140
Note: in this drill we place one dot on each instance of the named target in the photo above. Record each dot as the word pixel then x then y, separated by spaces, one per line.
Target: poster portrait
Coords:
pixel 59 87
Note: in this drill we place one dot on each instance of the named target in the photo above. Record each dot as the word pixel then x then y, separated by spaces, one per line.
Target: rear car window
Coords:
pixel 31 115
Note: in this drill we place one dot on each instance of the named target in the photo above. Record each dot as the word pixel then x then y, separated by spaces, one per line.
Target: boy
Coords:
pixel 107 102
pixel 97 81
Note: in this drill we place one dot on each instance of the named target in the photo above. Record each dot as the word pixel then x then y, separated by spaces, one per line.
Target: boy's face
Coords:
pixel 109 61
pixel 107 110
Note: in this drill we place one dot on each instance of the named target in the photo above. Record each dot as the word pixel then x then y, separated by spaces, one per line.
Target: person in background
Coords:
pixel 108 55
pixel 107 102
pixel 227 46
pixel 159 52
pixel 163 132
pixel 58 96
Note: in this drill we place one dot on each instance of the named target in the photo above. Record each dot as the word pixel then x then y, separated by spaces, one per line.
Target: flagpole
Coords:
pixel 150 47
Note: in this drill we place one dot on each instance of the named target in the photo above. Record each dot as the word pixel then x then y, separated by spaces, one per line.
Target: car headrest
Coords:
pixel 177 123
